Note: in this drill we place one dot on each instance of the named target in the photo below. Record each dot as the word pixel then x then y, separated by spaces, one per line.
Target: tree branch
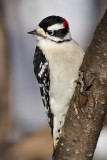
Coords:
pixel 87 111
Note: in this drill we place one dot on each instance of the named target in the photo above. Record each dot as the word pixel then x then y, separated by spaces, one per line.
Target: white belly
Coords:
pixel 62 85
pixel 64 63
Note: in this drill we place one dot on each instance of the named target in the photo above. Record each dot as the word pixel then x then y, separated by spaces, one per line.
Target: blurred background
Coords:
pixel 24 131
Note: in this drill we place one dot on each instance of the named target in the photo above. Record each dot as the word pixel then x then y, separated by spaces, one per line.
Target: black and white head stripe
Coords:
pixel 52 20
pixel 58 25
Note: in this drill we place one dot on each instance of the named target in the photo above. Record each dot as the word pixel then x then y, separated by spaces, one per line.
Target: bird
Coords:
pixel 57 61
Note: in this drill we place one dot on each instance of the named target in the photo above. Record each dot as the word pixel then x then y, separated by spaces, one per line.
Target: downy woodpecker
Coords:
pixel 56 62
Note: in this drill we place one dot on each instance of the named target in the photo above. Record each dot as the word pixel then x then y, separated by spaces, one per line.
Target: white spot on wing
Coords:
pixel 42 69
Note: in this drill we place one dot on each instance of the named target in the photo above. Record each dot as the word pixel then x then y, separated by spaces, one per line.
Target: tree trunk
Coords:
pixel 87 111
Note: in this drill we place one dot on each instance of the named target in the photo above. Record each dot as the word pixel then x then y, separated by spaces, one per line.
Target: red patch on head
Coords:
pixel 65 23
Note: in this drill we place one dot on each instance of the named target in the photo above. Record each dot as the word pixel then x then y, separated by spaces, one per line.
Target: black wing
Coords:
pixel 41 69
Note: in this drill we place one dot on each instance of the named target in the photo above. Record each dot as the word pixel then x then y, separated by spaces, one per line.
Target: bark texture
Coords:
pixel 87 111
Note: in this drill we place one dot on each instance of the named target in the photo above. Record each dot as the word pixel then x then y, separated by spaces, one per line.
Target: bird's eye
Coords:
pixel 50 32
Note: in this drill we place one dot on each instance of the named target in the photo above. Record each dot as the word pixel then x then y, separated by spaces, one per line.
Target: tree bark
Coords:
pixel 87 111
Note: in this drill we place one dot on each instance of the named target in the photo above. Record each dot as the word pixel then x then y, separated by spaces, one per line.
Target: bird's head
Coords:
pixel 54 28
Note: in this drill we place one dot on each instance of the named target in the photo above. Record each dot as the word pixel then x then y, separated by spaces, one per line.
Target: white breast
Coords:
pixel 64 63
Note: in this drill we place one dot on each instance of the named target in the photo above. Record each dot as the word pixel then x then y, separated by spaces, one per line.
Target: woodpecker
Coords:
pixel 57 60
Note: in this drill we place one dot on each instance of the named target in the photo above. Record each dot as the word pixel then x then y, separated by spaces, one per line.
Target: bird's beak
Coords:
pixel 33 32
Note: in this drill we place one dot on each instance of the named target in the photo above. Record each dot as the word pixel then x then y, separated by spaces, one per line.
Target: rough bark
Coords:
pixel 87 111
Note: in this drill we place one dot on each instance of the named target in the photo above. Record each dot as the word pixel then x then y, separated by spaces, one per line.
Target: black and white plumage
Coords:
pixel 41 69
pixel 57 61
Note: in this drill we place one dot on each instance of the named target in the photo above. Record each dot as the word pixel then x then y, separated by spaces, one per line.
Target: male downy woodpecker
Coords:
pixel 57 61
